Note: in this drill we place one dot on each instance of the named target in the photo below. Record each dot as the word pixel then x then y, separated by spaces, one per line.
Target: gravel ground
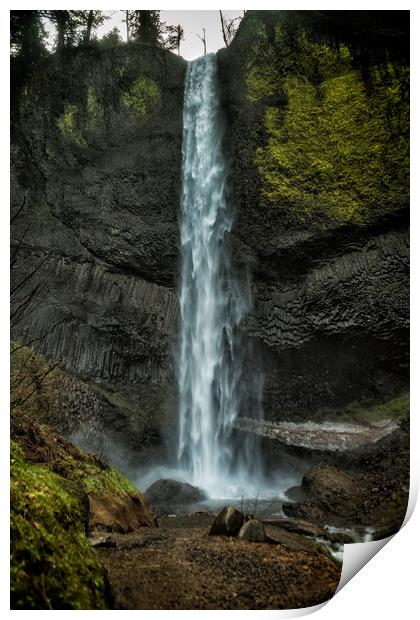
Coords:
pixel 178 566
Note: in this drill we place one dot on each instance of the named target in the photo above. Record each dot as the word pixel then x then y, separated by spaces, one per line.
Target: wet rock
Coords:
pixel 227 523
pixel 167 491
pixel 253 531
pixel 294 541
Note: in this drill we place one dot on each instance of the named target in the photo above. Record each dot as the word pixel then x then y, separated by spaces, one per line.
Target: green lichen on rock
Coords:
pixel 143 97
pixel 67 123
pixel 52 564
pixel 397 409
pixel 338 147
pixel 94 110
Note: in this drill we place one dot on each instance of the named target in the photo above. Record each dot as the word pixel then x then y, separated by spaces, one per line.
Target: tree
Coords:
pixel 27 34
pixel 65 24
pixel 203 40
pixel 146 27
pixel 174 36
pixel 89 21
pixel 111 39
pixel 229 27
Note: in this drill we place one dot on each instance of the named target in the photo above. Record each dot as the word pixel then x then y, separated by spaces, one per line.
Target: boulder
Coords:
pixel 295 494
pixel 167 491
pixel 332 487
pixel 124 512
pixel 253 531
pixel 227 523
pixel 331 496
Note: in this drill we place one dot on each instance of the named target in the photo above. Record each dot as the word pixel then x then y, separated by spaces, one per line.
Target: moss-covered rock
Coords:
pixel 52 564
pixel 52 483
pixel 143 97
pixel 339 145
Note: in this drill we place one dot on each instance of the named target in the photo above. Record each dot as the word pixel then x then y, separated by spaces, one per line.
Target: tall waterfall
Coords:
pixel 211 303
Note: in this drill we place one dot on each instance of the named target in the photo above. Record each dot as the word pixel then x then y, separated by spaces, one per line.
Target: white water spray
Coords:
pixel 212 305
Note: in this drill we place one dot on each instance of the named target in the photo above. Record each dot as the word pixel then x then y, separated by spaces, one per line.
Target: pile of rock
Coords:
pixel 231 522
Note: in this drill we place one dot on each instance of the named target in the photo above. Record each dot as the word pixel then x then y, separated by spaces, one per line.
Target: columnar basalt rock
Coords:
pixel 329 264
pixel 96 161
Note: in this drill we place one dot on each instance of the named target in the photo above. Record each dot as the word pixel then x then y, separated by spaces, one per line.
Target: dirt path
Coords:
pixel 178 566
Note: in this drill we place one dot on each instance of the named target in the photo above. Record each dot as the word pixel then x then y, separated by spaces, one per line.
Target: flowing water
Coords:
pixel 212 305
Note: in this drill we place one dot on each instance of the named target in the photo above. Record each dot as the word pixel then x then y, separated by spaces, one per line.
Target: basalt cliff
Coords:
pixel 320 232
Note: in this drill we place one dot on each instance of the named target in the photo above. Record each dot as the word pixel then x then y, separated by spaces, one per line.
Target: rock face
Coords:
pixel 329 269
pixel 227 523
pixel 253 531
pixel 96 163
pixel 173 492
pixel 96 159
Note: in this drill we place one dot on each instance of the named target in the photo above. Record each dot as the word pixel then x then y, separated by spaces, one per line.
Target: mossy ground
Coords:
pixel 52 564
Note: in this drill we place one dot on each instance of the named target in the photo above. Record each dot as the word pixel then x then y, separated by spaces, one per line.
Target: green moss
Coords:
pixel 335 150
pixel 143 97
pixel 67 124
pixel 339 147
pixel 109 481
pixel 397 408
pixel 52 564
pixel 94 110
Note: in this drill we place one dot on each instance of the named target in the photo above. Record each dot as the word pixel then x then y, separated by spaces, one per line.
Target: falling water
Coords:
pixel 211 303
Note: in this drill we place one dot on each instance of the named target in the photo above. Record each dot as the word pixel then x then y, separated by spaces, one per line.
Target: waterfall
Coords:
pixel 211 304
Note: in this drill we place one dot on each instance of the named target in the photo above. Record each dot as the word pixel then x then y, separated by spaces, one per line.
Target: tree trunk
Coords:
pixel 89 27
pixel 223 28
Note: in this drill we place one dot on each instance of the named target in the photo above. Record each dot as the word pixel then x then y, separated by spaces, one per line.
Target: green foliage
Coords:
pixel 143 97
pixel 339 147
pixel 52 564
pixel 27 35
pixel 67 123
pixel 146 27
pixel 111 39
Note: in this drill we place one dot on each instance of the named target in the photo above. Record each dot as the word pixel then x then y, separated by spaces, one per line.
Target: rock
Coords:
pixel 227 523
pixel 333 488
pixel 167 491
pixel 293 541
pixel 123 513
pixel 298 526
pixel 296 494
pixel 253 531
pixel 102 541
pixel 111 273
pixel 332 496
pixel 339 328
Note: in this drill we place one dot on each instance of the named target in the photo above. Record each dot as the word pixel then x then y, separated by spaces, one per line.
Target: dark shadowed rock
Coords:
pixel 296 494
pixel 332 486
pixel 227 523
pixel 173 492
pixel 253 531
pixel 332 496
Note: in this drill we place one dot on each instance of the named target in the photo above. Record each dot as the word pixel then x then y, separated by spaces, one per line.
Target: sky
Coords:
pixel 192 22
